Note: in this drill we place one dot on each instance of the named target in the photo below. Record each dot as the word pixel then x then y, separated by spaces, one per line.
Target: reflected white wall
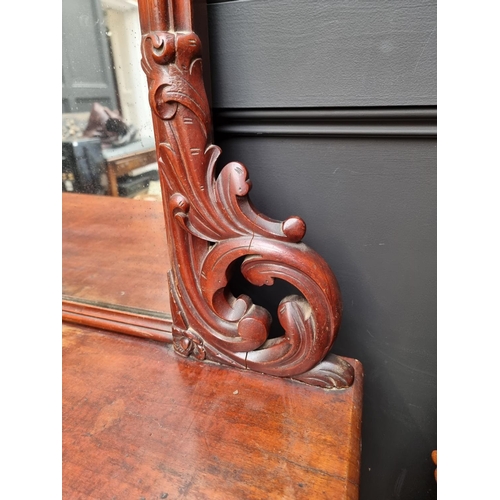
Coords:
pixel 125 37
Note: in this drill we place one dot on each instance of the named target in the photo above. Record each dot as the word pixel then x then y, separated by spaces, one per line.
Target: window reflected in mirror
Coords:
pixel 107 133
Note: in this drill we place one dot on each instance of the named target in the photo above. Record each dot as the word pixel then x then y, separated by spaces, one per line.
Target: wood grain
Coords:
pixel 138 323
pixel 142 422
pixel 114 251
pixel 212 224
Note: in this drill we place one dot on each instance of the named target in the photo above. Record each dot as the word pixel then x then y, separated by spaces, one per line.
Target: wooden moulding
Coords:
pixel 406 122
pixel 138 323
pixel 211 223
pixel 115 263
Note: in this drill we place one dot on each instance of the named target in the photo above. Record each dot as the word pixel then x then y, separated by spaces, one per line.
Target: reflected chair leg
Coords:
pixel 113 184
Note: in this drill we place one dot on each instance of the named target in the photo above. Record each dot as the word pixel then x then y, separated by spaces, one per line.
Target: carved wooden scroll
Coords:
pixel 211 223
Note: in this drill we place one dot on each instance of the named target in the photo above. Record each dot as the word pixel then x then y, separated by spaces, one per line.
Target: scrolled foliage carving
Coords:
pixel 211 224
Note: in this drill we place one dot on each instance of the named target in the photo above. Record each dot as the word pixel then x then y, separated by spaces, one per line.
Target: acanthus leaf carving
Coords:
pixel 211 224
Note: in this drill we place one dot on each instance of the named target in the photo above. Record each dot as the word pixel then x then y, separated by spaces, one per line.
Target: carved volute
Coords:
pixel 211 223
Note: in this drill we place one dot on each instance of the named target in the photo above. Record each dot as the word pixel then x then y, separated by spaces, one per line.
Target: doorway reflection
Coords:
pixel 107 134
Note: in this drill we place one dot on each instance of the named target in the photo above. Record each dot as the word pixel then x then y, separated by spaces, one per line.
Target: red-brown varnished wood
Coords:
pixel 114 251
pixel 211 224
pixel 142 422
pixel 130 322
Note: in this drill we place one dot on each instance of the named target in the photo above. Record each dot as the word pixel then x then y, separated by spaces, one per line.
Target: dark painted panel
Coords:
pixel 332 122
pixel 288 53
pixel 370 208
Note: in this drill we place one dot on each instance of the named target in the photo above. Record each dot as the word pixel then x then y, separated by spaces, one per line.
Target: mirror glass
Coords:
pixel 108 151
pixel 105 110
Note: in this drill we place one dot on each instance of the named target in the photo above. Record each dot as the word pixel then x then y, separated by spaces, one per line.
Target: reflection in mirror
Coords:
pixel 107 135
pixel 115 257
pixel 115 263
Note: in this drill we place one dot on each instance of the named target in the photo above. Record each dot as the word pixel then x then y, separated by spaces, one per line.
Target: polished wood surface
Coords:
pixel 140 422
pixel 144 324
pixel 114 252
pixel 211 224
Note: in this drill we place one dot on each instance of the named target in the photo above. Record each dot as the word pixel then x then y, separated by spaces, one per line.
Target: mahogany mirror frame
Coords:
pixel 210 225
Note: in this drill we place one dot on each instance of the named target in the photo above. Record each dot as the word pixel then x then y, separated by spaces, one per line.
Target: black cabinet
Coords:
pixel 83 166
